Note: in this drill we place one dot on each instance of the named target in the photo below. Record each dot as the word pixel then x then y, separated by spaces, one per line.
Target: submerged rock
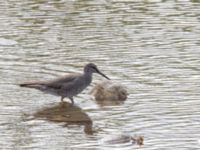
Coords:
pixel 108 91
pixel 123 138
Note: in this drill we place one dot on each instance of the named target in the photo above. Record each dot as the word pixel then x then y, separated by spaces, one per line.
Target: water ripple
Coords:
pixel 151 47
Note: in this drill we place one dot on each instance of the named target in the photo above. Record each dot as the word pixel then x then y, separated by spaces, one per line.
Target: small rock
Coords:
pixel 121 139
pixel 109 91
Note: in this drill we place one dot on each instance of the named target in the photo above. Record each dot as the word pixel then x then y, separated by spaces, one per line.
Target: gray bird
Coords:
pixel 67 86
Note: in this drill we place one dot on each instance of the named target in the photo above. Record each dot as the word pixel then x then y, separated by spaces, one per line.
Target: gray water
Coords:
pixel 151 47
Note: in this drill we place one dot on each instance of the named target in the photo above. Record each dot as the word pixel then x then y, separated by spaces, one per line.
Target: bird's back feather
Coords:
pixel 51 84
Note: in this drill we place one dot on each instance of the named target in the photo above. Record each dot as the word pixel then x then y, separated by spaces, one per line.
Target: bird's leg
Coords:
pixel 72 100
pixel 62 99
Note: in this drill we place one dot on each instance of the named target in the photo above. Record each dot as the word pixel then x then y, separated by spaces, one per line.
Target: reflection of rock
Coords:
pixel 108 91
pixel 65 112
pixel 109 103
pixel 120 139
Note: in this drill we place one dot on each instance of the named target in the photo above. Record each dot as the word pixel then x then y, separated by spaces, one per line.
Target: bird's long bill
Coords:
pixel 99 72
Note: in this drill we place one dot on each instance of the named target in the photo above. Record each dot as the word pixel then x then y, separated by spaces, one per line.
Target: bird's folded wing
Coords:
pixel 63 81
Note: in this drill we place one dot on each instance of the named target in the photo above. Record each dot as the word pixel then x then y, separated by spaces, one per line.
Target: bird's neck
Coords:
pixel 88 76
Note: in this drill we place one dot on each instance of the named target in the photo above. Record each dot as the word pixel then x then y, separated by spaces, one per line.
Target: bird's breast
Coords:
pixel 79 85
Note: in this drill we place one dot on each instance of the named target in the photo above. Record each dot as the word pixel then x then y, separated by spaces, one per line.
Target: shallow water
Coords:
pixel 150 46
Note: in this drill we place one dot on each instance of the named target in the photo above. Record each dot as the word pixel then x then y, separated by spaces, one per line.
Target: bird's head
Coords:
pixel 92 68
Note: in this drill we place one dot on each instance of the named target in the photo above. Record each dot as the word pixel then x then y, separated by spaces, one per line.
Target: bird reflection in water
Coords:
pixel 65 112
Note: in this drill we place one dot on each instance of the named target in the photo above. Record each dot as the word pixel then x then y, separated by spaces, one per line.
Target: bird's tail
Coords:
pixel 35 85
pixel 26 84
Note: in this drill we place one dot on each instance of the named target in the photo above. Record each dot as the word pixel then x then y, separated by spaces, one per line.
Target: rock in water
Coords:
pixel 123 138
pixel 106 91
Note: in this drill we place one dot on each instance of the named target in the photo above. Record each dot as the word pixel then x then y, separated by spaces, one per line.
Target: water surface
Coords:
pixel 151 47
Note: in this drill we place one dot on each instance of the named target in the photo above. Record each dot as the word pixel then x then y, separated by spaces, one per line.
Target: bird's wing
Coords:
pixel 63 81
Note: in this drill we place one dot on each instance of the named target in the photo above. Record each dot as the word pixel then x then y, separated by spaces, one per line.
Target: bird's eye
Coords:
pixel 93 67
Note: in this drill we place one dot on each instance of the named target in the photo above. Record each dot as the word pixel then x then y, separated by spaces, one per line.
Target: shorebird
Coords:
pixel 67 86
